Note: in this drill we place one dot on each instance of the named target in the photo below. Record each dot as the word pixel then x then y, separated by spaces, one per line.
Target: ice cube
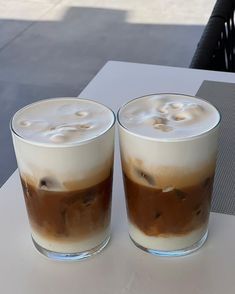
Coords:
pixel 49 183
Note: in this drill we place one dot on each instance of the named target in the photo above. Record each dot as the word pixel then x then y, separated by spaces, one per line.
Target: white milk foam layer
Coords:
pixel 74 162
pixel 62 121
pixel 168 116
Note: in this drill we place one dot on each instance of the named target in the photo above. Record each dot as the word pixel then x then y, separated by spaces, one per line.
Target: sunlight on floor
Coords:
pixel 155 11
pixel 138 11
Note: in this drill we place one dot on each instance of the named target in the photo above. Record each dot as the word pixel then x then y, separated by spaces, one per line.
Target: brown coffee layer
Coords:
pixel 69 215
pixel 168 212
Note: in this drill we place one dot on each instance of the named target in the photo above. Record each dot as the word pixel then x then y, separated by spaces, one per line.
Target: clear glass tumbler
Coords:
pixel 64 149
pixel 168 146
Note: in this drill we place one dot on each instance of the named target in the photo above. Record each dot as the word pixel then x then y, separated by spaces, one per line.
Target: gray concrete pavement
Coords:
pixel 54 47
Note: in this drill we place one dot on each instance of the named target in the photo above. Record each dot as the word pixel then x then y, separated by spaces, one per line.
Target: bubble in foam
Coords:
pixel 177 105
pixel 159 120
pixel 163 127
pixel 25 123
pixel 85 126
pixel 183 115
pixel 163 109
pixel 67 128
pixel 179 117
pixel 36 124
pixel 81 113
pixel 58 138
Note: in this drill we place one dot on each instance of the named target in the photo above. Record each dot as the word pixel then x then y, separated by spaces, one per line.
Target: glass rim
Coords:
pixel 166 140
pixel 63 145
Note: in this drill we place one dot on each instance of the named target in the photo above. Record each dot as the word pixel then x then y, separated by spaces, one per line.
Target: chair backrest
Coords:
pixel 216 48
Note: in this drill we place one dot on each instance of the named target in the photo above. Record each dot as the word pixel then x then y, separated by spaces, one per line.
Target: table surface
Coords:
pixel 121 268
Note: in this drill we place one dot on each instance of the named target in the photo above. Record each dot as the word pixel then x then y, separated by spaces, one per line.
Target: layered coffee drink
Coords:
pixel 64 150
pixel 168 148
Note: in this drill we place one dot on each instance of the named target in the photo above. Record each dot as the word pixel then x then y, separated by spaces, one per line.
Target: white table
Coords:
pixel 121 268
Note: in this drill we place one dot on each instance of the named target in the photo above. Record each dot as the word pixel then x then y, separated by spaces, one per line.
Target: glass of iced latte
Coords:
pixel 168 148
pixel 64 150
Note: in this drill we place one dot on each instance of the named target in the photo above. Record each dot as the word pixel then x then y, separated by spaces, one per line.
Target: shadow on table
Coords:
pixel 57 58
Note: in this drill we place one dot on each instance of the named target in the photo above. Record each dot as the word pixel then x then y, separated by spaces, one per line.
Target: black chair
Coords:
pixel 216 48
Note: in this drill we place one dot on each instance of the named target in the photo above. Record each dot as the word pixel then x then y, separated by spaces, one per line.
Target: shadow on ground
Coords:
pixel 58 58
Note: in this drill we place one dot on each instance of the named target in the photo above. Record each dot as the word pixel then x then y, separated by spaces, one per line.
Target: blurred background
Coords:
pixel 52 48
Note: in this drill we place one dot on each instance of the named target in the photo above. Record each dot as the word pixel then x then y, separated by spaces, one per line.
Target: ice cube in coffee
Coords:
pixel 168 175
pixel 64 150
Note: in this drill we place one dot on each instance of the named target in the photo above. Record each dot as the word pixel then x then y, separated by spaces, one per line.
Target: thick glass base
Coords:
pixel 71 256
pixel 179 252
